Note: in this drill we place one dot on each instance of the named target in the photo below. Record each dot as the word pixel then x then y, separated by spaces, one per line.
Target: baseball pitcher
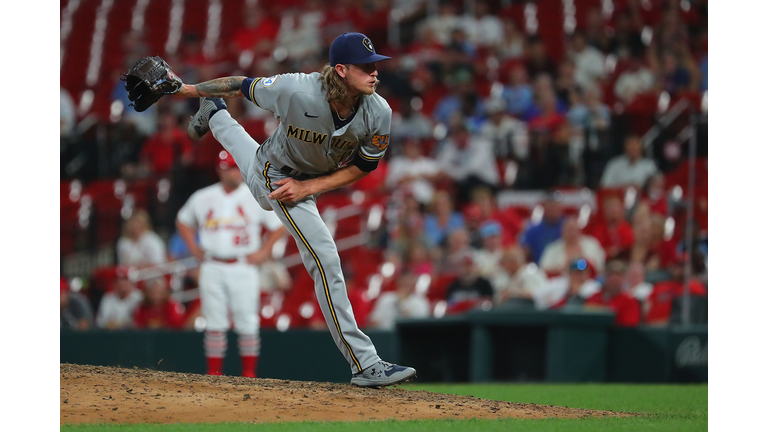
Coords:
pixel 229 223
pixel 333 130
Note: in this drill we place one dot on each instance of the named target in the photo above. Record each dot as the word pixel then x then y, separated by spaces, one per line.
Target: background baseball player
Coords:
pixel 333 130
pixel 229 222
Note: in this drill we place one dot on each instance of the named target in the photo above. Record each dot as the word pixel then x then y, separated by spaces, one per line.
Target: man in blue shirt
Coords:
pixel 536 237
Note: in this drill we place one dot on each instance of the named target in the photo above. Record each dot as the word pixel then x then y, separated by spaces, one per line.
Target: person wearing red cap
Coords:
pixel 116 307
pixel 229 223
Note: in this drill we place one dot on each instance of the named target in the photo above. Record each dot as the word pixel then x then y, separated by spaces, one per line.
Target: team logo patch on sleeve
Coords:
pixel 380 141
pixel 269 82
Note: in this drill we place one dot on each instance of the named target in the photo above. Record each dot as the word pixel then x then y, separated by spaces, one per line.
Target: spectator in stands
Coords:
pixel 519 93
pixel 558 255
pixel 178 249
pixel 488 258
pixel 256 38
pixel 654 194
pixel 274 276
pixel 538 60
pixel 508 135
pixel 158 310
pixel 614 233
pixel 512 45
pixel 595 29
pixel 411 123
pixel 588 60
pixel 488 207
pixel 67 115
pixel 442 220
pixel 405 302
pixel 459 52
pixel 414 171
pixel 675 76
pixel 700 244
pixel 456 246
pixel 461 91
pixel 649 247
pixel 547 118
pixel 544 95
pixel 635 80
pixel 629 169
pixel 658 308
pixel 340 17
pixel 520 279
pixel 75 311
pixel 469 287
pixel 571 290
pixel 139 246
pixel 636 284
pixel 169 146
pixel 418 260
pixel 444 22
pixel 409 227
pixel 116 307
pixel 565 85
pixel 589 113
pixel 611 297
pixel 299 32
pixel 470 161
pixel 626 39
pixel 537 236
pixel 484 29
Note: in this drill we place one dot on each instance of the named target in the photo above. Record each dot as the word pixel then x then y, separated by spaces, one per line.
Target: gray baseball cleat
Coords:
pixel 382 374
pixel 198 124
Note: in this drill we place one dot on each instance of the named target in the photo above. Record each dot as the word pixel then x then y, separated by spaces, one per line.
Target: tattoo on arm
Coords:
pixel 228 87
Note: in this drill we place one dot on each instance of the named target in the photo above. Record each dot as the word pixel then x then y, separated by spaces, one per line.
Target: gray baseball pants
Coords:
pixel 316 245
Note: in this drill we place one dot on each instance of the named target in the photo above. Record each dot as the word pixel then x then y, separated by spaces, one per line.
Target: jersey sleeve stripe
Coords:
pixel 370 158
pixel 320 267
pixel 253 85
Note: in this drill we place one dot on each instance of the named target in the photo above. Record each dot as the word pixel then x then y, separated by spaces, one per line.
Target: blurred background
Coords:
pixel 545 156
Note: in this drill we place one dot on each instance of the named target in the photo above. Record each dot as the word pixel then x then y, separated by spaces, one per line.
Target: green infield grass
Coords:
pixel 661 408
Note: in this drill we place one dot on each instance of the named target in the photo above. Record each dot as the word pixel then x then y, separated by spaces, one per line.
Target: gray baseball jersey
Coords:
pixel 308 142
pixel 306 139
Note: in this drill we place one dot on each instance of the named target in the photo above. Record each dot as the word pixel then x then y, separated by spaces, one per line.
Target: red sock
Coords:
pixel 249 365
pixel 214 365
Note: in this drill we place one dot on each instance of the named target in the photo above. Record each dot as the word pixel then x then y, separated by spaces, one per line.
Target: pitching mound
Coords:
pixel 95 394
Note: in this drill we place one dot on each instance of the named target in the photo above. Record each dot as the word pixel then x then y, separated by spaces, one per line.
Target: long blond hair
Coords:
pixel 334 85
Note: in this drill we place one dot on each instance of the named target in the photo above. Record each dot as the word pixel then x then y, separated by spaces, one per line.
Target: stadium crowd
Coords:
pixel 484 106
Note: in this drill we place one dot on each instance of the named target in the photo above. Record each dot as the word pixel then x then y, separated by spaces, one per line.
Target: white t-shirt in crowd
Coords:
pixel 401 167
pixel 389 308
pixel 553 258
pixel 149 249
pixel 556 288
pixel 115 312
pixel 527 279
pixel 621 172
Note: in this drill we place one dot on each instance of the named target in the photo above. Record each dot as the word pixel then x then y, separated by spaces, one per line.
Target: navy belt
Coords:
pixel 297 174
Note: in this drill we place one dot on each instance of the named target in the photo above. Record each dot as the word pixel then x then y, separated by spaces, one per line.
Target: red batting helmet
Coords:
pixel 226 160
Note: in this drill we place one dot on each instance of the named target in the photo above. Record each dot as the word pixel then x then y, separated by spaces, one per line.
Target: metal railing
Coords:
pixel 179 268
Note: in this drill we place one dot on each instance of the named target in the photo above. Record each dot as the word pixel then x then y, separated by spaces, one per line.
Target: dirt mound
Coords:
pixel 94 394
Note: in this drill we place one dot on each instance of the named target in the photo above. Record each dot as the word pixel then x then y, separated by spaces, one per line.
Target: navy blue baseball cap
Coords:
pixel 353 48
